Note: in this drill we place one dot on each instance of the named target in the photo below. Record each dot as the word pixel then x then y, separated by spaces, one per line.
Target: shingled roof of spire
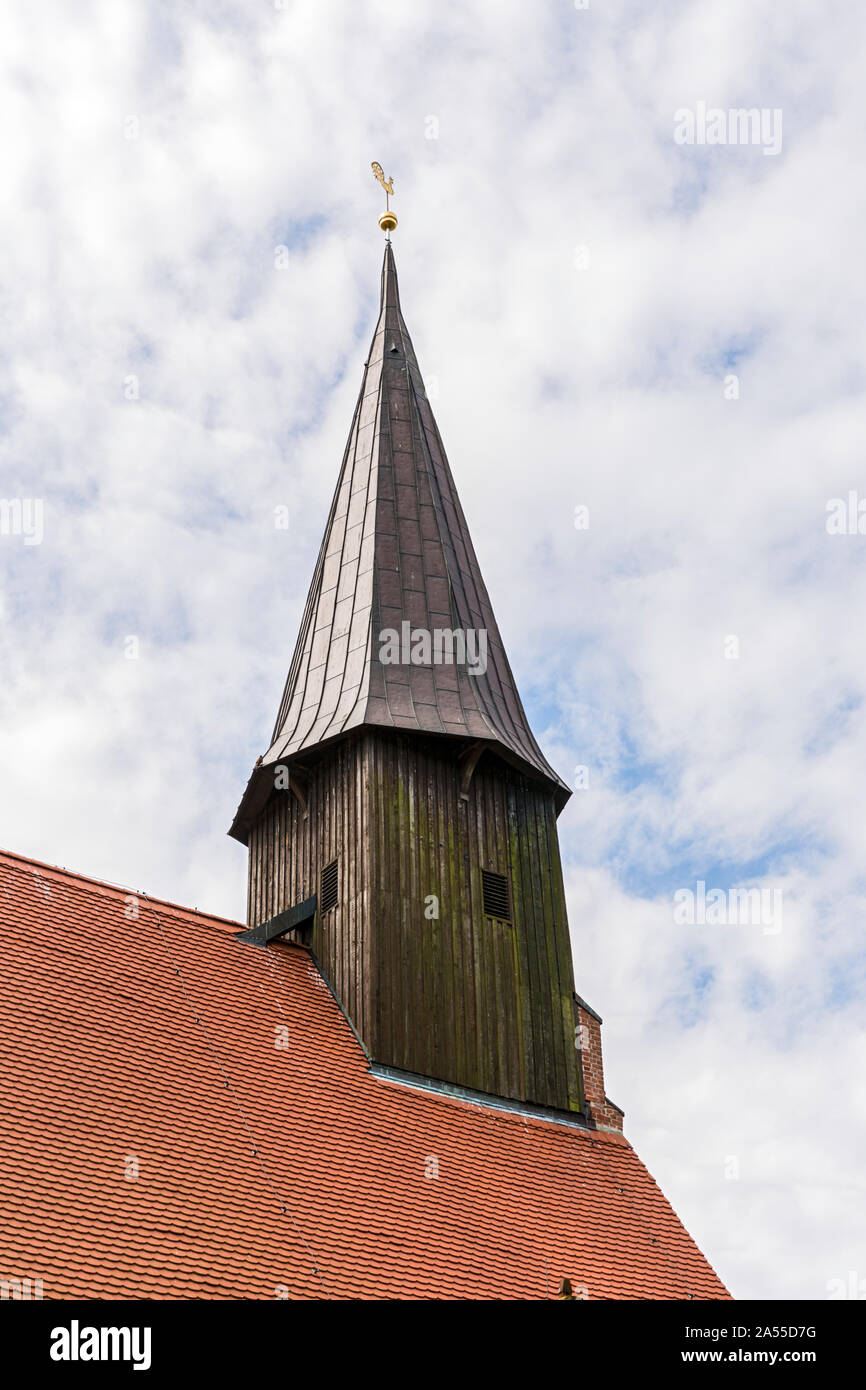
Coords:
pixel 397 549
pixel 185 1116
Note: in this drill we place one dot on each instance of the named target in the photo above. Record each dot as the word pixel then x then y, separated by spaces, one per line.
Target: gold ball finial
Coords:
pixel 387 222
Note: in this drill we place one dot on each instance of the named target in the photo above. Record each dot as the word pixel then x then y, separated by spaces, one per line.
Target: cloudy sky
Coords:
pixel 666 334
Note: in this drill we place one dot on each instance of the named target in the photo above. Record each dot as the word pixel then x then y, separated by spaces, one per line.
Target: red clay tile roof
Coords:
pixel 266 1171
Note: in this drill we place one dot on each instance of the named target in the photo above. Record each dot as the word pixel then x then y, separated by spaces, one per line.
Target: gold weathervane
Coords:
pixel 387 221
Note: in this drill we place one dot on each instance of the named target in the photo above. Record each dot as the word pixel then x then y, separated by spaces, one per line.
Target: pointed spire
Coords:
pixel 397 558
pixel 390 297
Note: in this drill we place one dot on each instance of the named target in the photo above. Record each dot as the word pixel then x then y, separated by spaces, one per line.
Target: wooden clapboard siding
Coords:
pixel 460 997
pixel 470 1000
pixel 289 848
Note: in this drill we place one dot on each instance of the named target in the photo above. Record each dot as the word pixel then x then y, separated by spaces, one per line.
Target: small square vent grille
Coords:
pixel 328 894
pixel 497 902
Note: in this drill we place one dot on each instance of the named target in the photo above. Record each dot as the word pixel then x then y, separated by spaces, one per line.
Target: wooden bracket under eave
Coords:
pixel 299 790
pixel 469 761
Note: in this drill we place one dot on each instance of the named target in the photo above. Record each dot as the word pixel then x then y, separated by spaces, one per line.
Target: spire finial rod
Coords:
pixel 387 221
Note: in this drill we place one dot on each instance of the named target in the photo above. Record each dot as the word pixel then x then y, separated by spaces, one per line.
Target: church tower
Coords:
pixel 403 821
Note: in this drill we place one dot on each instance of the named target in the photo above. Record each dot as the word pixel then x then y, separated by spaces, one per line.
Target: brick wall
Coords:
pixel 602 1111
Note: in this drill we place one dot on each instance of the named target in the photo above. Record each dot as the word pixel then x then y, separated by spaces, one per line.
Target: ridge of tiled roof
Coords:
pixel 62 874
pixel 263 1171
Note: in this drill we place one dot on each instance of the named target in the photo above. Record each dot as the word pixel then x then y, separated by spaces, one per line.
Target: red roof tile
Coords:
pixel 264 1171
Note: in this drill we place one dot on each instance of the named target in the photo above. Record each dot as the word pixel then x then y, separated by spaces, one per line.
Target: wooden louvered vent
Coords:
pixel 328 888
pixel 497 902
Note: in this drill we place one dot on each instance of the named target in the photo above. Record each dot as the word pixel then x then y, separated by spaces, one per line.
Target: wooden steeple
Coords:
pixel 403 789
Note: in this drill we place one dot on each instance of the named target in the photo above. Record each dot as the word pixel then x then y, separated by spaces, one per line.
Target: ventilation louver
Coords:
pixel 328 888
pixel 497 902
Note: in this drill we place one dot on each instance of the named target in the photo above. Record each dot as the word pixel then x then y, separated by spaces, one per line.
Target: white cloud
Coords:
pixel 153 256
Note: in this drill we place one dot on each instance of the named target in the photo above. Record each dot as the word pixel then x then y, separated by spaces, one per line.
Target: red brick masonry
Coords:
pixel 604 1113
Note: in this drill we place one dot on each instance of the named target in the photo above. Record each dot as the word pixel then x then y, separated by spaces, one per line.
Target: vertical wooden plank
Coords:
pixel 510 1024
pixel 384 916
pixel 549 1005
pixel 432 926
pixel 542 1078
pixel 566 969
pixel 522 939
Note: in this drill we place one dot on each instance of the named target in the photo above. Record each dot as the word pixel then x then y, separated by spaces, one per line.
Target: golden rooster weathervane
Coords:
pixel 387 221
